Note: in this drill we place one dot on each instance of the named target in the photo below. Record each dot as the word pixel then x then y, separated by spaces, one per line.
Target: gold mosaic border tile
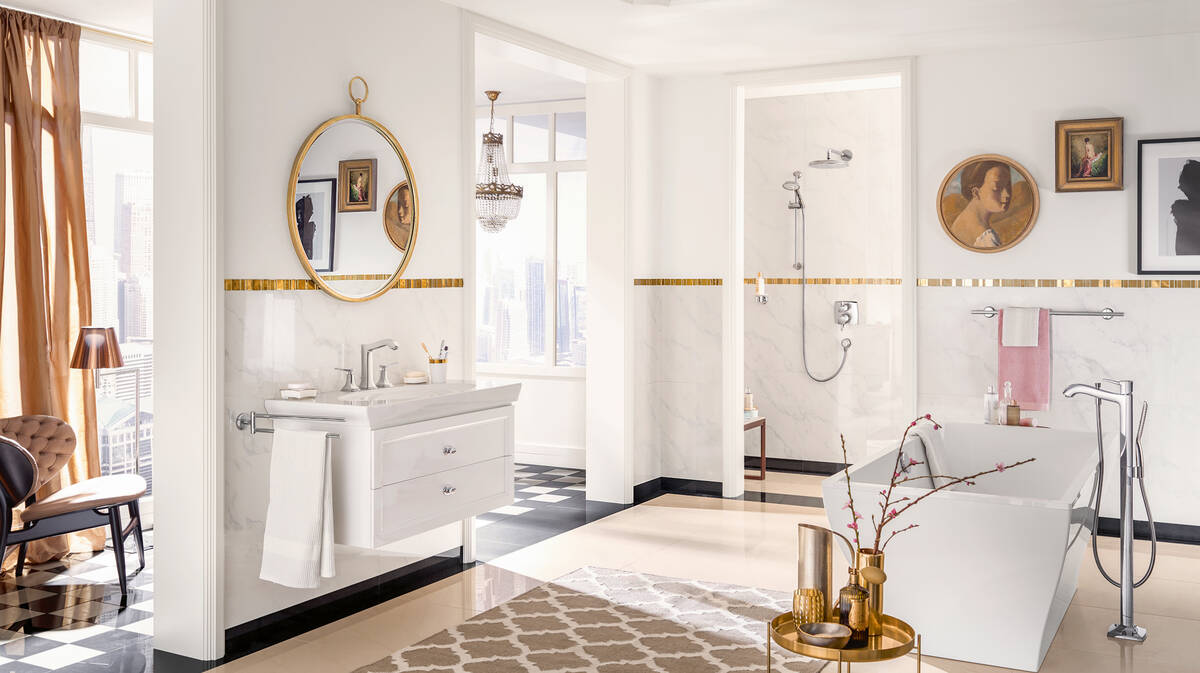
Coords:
pixel 677 281
pixel 828 281
pixel 1137 283
pixel 273 284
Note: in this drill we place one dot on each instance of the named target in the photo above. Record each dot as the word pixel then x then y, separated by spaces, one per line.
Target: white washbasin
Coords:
pixel 386 407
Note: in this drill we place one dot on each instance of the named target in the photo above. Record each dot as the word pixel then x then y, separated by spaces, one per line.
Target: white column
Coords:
pixel 189 470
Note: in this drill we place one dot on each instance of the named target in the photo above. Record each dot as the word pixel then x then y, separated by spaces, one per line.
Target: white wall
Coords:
pixel 550 421
pixel 279 85
pixel 969 103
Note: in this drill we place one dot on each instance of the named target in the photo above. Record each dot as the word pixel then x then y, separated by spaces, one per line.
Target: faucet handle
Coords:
pixel 348 386
pixel 1124 386
pixel 384 381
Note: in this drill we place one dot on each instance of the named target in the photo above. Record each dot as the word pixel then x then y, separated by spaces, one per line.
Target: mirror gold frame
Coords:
pixel 291 198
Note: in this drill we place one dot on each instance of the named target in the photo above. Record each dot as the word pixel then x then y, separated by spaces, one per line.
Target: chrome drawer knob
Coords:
pixel 448 490
pixel 447 450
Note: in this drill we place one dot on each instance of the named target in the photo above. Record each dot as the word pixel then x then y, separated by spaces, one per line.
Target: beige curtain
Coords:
pixel 45 287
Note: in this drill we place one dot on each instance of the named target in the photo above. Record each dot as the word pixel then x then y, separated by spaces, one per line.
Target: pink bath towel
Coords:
pixel 1027 367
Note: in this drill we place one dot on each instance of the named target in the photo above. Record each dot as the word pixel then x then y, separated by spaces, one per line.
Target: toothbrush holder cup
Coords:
pixel 437 370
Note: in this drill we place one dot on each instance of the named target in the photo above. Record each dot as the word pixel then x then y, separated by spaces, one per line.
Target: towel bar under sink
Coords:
pixel 249 419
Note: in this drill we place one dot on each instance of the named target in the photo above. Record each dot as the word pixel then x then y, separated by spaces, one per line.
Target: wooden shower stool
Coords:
pixel 761 424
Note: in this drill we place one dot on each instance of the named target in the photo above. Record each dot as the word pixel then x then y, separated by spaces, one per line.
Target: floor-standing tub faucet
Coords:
pixel 1131 468
pixel 367 381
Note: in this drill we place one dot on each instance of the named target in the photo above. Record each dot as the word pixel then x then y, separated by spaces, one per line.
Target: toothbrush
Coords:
pixel 427 353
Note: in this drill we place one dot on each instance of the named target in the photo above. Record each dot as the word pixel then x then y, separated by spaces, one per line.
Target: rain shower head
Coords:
pixel 833 159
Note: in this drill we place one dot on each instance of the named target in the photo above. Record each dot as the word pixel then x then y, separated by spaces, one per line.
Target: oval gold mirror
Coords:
pixel 352 205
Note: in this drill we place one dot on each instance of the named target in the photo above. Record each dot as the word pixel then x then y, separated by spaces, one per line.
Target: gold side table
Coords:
pixel 897 640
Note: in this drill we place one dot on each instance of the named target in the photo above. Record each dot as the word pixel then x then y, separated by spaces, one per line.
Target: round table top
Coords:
pixel 897 640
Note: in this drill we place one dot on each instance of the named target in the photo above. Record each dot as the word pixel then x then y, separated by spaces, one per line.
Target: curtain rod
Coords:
pixel 90 27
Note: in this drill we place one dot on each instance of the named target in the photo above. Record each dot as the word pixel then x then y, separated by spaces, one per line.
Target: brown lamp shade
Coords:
pixel 96 348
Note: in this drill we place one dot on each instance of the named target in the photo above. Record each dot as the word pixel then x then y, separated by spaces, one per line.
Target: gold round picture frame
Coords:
pixel 988 203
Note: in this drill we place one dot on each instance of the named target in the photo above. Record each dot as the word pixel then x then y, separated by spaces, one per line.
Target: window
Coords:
pixel 116 98
pixel 531 294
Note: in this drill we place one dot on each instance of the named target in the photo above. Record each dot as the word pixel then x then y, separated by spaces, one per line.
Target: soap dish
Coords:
pixel 416 377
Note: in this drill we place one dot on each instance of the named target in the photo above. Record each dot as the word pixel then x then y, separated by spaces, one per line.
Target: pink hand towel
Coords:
pixel 1027 367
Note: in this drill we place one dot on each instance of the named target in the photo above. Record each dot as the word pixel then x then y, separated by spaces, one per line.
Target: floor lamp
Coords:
pixel 97 348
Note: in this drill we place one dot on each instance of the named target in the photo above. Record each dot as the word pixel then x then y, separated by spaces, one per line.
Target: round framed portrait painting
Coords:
pixel 988 203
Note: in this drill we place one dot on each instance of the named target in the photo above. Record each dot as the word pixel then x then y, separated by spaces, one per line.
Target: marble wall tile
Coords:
pixel 272 338
pixel 678 351
pixel 1156 344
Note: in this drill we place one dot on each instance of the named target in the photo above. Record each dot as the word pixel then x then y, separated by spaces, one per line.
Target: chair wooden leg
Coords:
pixel 135 513
pixel 21 558
pixel 114 517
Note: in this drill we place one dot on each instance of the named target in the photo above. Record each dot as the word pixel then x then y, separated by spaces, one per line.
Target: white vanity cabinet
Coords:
pixel 413 458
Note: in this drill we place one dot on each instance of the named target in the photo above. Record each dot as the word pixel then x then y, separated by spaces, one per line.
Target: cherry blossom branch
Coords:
pixel 853 525
pixel 894 534
pixel 897 470
pixel 1000 467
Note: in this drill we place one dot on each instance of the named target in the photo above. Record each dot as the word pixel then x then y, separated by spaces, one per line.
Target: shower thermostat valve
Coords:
pixel 845 313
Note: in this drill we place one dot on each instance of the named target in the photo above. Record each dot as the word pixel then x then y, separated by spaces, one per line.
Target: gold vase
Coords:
pixel 808 606
pixel 873 559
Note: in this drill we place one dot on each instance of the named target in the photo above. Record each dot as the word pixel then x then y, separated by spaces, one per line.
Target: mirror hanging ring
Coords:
pixel 410 182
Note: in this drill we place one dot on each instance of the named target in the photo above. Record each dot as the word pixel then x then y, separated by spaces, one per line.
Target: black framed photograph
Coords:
pixel 1169 206
pixel 316 209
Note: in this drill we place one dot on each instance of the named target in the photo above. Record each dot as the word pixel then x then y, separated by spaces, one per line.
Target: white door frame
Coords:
pixel 189 467
pixel 733 354
pixel 608 429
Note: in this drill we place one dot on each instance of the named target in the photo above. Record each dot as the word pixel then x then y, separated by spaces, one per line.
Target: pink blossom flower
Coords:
pixel 852 526
pixel 936 426
pixel 912 424
pixel 912 461
pixel 1000 467
pixel 847 505
pixel 895 474
pixel 893 512
pixel 857 516
pixel 928 417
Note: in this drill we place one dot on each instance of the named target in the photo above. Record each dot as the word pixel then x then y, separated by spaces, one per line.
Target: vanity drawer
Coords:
pixel 429 447
pixel 419 504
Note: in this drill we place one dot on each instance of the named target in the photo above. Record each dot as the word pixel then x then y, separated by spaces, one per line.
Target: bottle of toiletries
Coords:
pixel 747 400
pixel 852 609
pixel 1010 412
pixel 990 401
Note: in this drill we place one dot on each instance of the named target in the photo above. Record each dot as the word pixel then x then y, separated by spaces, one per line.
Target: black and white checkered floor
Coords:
pixel 68 615
pixel 547 501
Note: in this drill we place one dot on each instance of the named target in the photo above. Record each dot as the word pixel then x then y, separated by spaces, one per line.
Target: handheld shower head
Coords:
pixel 833 159
pixel 793 186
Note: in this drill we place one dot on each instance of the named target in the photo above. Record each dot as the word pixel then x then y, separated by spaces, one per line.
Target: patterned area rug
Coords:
pixel 611 621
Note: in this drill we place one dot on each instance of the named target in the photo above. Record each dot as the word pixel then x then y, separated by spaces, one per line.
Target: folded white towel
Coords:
pixel 298 541
pixel 1020 327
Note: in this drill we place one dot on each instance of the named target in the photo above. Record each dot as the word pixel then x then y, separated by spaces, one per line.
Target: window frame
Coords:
pixel 134 124
pixel 549 367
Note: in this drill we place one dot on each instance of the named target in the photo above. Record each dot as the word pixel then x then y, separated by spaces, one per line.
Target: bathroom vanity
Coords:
pixel 413 458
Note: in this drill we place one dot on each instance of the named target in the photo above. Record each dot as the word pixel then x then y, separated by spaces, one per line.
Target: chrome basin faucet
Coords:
pixel 1131 468
pixel 368 351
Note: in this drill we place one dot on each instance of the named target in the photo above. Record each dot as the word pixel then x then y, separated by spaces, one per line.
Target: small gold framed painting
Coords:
pixel 356 185
pixel 988 203
pixel 1088 155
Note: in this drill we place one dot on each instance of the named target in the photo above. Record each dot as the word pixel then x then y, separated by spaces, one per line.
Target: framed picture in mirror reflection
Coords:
pixel 315 220
pixel 356 180
pixel 398 216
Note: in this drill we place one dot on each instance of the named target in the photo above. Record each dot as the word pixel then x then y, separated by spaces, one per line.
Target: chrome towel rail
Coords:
pixel 1106 313
pixel 250 420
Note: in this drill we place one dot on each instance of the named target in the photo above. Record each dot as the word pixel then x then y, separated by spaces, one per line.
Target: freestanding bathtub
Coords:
pixel 989 572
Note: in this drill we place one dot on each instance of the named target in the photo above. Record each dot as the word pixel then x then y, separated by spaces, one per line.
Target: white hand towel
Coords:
pixel 1020 327
pixel 298 541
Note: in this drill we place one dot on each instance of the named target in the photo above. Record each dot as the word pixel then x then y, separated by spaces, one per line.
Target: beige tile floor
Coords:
pixel 787 483
pixel 744 543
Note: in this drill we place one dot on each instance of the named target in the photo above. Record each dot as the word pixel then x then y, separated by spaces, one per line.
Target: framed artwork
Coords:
pixel 1088 155
pixel 356 186
pixel 315 215
pixel 988 203
pixel 1169 206
pixel 399 216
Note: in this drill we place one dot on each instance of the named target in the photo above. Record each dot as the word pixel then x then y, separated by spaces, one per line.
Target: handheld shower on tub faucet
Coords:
pixel 1131 470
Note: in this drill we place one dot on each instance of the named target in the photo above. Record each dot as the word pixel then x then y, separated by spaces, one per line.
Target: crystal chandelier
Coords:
pixel 497 199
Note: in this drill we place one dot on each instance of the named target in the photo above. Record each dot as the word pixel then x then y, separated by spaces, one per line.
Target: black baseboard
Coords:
pixel 290 622
pixel 794 465
pixel 710 489
pixel 647 490
pixel 1166 532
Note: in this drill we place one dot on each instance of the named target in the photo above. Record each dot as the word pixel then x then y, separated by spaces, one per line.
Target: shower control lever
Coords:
pixel 845 313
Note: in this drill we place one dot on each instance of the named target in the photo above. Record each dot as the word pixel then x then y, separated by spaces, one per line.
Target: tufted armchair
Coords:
pixel 32 451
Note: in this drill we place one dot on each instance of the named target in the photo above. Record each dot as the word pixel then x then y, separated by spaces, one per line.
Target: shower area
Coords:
pixel 827 348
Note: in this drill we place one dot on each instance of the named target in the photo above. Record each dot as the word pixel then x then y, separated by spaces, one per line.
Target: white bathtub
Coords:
pixel 988 574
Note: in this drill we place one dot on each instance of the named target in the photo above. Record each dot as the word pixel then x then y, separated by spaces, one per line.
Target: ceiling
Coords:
pixel 735 35
pixel 132 17
pixel 522 75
